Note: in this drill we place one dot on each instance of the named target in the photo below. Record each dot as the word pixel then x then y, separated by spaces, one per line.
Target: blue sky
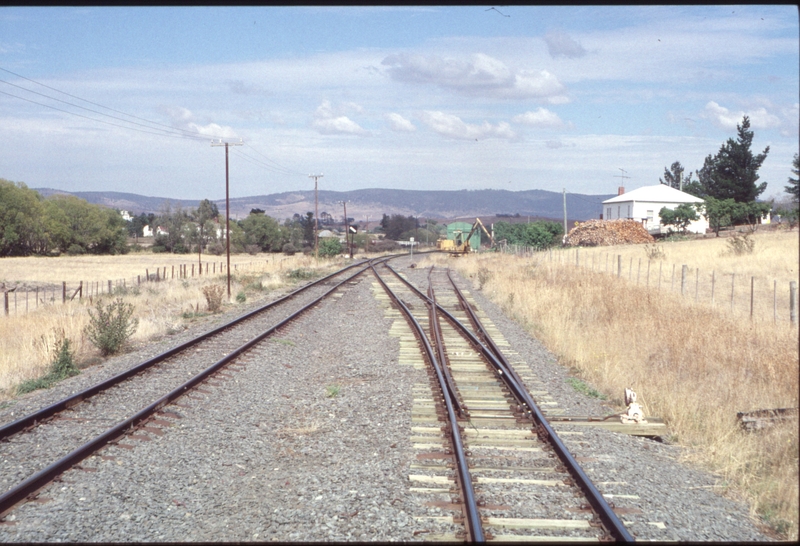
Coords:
pixel 443 98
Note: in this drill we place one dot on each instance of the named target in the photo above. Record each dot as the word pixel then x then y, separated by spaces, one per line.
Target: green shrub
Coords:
pixel 330 247
pixel 62 367
pixel 75 250
pixel 111 326
pixel 301 274
pixel 241 297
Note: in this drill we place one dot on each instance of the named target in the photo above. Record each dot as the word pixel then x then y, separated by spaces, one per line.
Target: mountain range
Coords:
pixel 371 204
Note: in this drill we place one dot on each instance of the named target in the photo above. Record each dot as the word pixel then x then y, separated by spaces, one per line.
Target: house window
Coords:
pixel 649 215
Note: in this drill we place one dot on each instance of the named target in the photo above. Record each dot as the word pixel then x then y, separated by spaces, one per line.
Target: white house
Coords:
pixel 643 204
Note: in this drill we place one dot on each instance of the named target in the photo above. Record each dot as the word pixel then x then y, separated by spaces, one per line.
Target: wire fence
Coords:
pixel 19 300
pixel 758 298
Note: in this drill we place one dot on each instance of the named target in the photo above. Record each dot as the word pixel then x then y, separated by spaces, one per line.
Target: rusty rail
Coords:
pixel 544 430
pixel 33 483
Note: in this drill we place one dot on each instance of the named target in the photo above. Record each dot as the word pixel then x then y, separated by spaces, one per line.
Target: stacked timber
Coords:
pixel 608 232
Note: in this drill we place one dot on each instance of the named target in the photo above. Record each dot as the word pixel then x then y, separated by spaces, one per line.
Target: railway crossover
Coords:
pixel 486 458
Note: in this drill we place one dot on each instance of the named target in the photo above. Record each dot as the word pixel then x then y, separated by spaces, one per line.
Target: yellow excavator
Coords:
pixel 460 244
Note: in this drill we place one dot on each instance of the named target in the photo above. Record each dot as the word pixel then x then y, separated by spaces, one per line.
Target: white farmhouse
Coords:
pixel 643 204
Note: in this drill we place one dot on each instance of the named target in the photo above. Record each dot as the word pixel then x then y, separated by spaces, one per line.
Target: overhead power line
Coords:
pixel 148 126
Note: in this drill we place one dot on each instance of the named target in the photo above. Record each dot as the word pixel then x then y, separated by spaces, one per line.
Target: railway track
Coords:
pixel 240 437
pixel 488 452
pixel 37 448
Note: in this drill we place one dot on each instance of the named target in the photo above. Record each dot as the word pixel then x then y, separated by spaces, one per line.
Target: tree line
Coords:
pixel 728 184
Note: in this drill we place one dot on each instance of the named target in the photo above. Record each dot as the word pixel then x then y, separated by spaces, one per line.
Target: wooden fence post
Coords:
pixel 63 291
pixel 147 274
pixel 713 284
pixel 619 265
pixel 648 272
pixel 5 302
pixel 793 301
pixel 109 287
pixel 684 270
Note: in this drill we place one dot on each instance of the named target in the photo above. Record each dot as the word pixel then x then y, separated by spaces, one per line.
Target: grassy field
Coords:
pixel 29 339
pixel 694 365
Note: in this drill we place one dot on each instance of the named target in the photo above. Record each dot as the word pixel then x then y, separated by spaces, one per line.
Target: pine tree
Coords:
pixel 792 188
pixel 733 172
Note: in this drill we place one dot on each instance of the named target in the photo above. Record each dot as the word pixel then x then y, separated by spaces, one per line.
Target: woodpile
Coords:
pixel 608 232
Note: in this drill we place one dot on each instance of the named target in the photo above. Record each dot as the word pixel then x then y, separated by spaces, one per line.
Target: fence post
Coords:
pixel 5 303
pixel 648 272
pixel 147 274
pixel 713 284
pixel 80 291
pixel 37 297
pixel 110 289
pixel 138 279
pixel 619 265
pixel 684 270
pixel 577 259
pixel 793 301
pixel 63 291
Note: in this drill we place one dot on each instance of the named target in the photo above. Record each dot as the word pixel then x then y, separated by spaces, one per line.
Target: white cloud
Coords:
pixel 328 121
pixel 560 44
pixel 540 118
pixel 451 126
pixel 399 123
pixel 183 118
pixel 482 76
pixel 726 119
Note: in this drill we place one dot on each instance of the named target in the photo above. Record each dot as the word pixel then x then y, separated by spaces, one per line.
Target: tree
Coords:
pixel 733 172
pixel 76 226
pixel 720 212
pixel 205 212
pixel 22 220
pixel 308 225
pixel 680 217
pixel 174 222
pixel 792 189
pixel 263 231
pixel 539 234
pixel 674 176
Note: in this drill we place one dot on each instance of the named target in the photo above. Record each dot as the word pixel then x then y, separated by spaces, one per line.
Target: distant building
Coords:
pixel 126 215
pixel 644 204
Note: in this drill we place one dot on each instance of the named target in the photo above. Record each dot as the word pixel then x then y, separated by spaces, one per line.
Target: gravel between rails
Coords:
pixel 271 454
pixel 679 497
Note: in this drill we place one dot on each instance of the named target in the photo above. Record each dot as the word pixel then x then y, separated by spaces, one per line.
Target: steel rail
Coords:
pixel 33 483
pixel 605 513
pixel 436 334
pixel 34 418
pixel 472 516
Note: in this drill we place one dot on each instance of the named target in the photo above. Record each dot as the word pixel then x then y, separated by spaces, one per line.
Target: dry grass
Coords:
pixel 693 365
pixel 28 339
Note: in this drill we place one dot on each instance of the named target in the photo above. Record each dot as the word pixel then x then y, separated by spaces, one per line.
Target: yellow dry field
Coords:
pixel 693 364
pixel 28 339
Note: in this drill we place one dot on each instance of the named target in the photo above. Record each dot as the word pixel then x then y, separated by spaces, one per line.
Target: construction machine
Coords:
pixel 460 244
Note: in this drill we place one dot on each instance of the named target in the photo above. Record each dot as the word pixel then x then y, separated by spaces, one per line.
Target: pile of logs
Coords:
pixel 608 232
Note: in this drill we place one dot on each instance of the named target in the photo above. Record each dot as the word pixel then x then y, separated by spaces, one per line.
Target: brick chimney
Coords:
pixel 620 190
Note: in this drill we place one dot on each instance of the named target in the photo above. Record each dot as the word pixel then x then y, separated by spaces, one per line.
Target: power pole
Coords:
pixel 347 231
pixel 565 212
pixel 316 212
pixel 227 209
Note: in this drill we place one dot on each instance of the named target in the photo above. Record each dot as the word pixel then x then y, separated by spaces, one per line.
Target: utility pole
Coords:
pixel 347 231
pixel 316 212
pixel 227 209
pixel 565 212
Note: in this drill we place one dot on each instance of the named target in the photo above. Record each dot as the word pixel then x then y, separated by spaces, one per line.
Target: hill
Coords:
pixel 371 204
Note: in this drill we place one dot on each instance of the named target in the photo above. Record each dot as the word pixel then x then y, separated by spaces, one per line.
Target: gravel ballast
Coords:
pixel 309 440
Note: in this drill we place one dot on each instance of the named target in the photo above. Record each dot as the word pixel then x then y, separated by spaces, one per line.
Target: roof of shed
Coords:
pixel 660 193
